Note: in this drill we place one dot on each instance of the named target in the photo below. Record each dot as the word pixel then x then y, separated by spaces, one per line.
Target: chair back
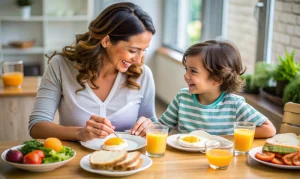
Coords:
pixel 291 119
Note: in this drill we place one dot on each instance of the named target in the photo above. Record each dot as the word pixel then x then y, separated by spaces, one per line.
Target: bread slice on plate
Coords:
pixel 285 139
pixel 130 159
pixel 137 164
pixel 105 160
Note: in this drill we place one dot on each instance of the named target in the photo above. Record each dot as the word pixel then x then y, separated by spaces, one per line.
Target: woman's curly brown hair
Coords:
pixel 119 21
pixel 223 62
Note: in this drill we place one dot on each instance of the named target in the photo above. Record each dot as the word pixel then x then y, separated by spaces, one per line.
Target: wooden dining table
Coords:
pixel 175 164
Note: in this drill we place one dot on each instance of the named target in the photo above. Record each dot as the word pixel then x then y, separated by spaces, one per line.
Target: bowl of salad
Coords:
pixel 39 156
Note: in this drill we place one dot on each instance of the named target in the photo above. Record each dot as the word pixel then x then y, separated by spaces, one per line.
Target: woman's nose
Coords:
pixel 138 58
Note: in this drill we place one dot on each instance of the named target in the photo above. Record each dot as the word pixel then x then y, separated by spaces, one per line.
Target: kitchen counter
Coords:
pixel 29 87
pixel 16 105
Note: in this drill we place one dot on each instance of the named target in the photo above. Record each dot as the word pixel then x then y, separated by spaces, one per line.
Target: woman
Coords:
pixel 99 85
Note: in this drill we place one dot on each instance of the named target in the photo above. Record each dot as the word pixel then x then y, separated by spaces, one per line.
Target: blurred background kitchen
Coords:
pixel 263 30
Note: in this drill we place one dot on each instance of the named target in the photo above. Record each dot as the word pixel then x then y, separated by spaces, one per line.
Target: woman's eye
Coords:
pixel 132 51
pixel 193 71
pixel 185 68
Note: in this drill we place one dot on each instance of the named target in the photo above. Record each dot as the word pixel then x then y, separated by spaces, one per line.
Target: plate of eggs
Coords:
pixel 123 142
pixel 194 141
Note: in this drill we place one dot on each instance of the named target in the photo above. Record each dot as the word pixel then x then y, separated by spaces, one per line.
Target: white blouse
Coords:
pixel 122 107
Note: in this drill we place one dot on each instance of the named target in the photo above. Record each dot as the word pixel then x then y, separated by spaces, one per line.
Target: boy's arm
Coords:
pixel 170 116
pixel 266 130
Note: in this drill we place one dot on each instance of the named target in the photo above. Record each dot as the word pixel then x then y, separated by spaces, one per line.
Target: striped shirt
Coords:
pixel 217 118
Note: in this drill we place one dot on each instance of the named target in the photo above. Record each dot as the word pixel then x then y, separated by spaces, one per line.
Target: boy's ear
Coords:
pixel 105 41
pixel 218 82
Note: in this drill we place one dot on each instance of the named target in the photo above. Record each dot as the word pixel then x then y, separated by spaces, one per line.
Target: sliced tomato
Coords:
pixel 296 159
pixel 277 161
pixel 287 159
pixel 40 153
pixel 279 156
pixel 266 156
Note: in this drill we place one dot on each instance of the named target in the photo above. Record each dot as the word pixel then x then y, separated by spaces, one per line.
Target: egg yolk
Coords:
pixel 191 139
pixel 114 141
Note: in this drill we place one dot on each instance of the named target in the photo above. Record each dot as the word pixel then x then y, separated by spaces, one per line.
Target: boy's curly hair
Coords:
pixel 223 62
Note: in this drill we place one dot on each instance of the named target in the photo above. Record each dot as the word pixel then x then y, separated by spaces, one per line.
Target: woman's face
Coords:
pixel 124 54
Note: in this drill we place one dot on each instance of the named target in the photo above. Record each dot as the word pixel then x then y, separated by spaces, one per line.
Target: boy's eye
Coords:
pixel 185 68
pixel 194 71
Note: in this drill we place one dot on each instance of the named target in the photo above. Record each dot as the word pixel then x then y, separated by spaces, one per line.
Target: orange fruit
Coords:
pixel 53 143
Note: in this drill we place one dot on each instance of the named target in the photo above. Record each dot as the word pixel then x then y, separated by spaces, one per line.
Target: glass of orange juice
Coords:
pixel 218 156
pixel 12 73
pixel 243 137
pixel 156 136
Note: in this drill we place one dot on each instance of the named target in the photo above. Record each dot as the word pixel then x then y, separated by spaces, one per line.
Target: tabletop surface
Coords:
pixel 29 87
pixel 175 164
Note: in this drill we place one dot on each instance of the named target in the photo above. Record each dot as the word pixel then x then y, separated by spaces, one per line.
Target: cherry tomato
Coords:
pixel 287 159
pixel 32 158
pixel 279 156
pixel 40 153
pixel 266 156
pixel 296 159
pixel 277 161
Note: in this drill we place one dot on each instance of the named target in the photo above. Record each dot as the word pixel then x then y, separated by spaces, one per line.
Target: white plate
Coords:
pixel 253 151
pixel 172 141
pixel 134 142
pixel 35 167
pixel 85 164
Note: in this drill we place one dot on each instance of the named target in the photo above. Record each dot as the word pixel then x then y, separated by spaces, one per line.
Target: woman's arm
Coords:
pixel 44 129
pixel 96 127
pixel 266 130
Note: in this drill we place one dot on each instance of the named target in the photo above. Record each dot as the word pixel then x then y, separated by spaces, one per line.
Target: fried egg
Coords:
pixel 115 143
pixel 191 141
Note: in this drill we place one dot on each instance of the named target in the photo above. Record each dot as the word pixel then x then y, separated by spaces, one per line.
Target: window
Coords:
pixel 182 23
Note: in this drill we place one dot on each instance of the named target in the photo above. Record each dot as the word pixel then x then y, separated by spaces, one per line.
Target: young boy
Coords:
pixel 213 70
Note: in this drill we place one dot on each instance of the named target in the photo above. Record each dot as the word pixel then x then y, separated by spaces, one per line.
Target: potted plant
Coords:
pixel 250 86
pixel 292 91
pixel 286 71
pixel 25 6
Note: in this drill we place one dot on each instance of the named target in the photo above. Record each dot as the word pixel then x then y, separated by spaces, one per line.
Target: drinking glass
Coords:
pixel 218 156
pixel 156 136
pixel 12 73
pixel 243 137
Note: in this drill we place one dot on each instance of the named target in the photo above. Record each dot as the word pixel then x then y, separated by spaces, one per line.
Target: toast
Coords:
pixel 286 140
pixel 105 160
pixel 131 158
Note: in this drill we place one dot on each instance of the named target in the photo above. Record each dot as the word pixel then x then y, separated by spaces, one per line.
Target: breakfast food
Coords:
pixel 191 141
pixel 281 149
pixel 286 139
pixel 115 160
pixel 115 143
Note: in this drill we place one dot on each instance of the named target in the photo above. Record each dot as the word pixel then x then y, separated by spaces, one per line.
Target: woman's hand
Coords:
pixel 139 127
pixel 96 127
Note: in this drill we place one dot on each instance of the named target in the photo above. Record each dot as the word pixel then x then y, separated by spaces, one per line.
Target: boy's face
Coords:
pixel 197 77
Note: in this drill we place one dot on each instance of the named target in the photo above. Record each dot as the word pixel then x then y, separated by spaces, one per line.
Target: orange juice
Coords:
pixel 219 157
pixel 12 78
pixel 156 142
pixel 243 139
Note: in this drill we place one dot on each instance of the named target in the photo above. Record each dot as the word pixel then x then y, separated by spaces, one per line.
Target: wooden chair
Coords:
pixel 291 119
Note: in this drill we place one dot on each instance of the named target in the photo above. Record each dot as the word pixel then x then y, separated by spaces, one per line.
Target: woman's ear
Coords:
pixel 105 41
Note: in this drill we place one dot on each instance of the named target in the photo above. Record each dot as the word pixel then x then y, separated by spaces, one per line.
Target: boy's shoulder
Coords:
pixel 184 91
pixel 233 97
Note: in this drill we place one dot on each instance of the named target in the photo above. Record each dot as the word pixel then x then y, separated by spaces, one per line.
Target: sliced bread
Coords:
pixel 105 160
pixel 137 164
pixel 130 159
